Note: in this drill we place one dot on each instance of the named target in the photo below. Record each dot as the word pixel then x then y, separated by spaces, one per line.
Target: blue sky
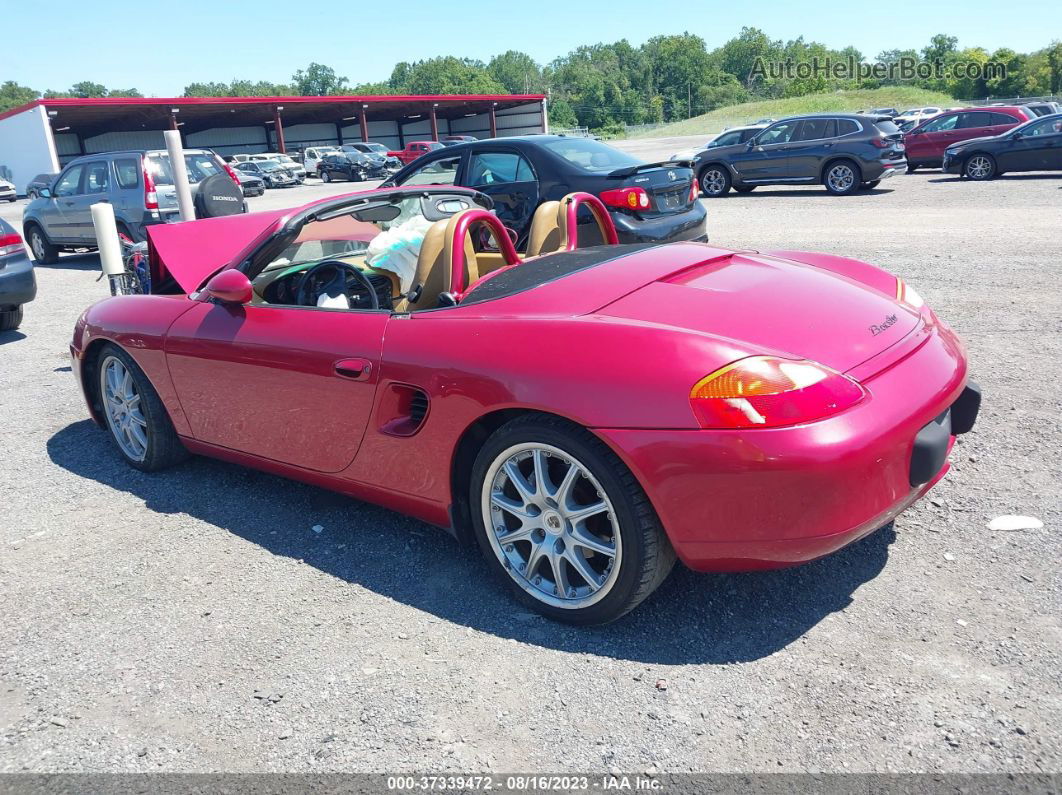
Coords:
pixel 269 40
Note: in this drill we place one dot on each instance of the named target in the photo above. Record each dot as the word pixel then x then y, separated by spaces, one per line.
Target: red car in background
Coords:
pixel 415 149
pixel 925 144
pixel 585 415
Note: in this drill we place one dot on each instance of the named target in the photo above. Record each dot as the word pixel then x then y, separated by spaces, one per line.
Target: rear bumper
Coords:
pixel 18 284
pixel 741 500
pixel 691 224
pixel 882 169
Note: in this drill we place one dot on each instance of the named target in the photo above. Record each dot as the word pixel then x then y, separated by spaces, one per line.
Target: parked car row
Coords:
pixel 848 152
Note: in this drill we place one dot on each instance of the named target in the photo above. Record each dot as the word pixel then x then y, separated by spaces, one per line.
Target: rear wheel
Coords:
pixel 326 177
pixel 11 319
pixel 715 181
pixel 136 418
pixel 43 250
pixel 841 178
pixel 980 167
pixel 912 167
pixel 565 522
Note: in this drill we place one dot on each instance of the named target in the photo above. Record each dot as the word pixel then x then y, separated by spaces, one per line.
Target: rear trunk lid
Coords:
pixel 774 306
pixel 668 184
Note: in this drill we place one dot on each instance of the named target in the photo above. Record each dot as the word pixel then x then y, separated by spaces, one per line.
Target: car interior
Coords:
pixel 397 253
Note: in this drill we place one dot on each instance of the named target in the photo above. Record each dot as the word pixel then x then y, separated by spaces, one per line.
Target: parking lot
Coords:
pixel 195 620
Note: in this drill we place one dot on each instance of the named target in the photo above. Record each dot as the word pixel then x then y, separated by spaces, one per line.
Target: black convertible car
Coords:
pixel 648 202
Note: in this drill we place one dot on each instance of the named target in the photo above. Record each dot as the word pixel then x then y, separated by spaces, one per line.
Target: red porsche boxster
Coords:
pixel 584 413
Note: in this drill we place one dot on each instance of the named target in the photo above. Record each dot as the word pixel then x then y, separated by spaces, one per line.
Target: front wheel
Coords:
pixel 561 518
pixel 136 418
pixel 912 168
pixel 980 167
pixel 841 178
pixel 715 181
pixel 11 319
pixel 43 250
pixel 326 177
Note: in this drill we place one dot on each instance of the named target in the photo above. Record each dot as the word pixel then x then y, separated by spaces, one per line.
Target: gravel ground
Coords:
pixel 194 621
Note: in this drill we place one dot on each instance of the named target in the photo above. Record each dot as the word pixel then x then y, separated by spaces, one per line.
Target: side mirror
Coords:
pixel 751 144
pixel 45 193
pixel 228 287
pixel 1017 136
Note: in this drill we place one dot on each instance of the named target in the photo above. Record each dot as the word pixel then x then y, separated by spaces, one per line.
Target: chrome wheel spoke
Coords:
pixel 543 487
pixel 587 540
pixel 560 575
pixel 583 512
pixel 520 483
pixel 533 559
pixel 582 567
pixel 512 507
pixel 122 404
pixel 564 490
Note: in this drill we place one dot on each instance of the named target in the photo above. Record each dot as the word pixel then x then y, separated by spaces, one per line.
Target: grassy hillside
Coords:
pixel 899 97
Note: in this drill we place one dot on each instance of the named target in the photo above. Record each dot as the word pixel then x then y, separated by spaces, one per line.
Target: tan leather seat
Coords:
pixel 549 229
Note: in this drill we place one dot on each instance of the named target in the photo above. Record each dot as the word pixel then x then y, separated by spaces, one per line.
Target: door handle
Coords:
pixel 354 369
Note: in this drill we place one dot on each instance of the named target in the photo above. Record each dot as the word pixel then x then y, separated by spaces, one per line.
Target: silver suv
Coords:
pixel 138 184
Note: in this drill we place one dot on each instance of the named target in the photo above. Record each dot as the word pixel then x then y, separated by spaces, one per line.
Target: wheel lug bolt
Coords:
pixel 509 548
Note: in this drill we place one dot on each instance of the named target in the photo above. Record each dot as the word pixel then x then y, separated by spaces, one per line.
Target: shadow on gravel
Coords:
pixel 810 190
pixel 692 618
pixel 1003 178
pixel 87 261
pixel 11 336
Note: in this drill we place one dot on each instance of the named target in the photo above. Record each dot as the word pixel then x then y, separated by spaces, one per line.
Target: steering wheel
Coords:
pixel 330 276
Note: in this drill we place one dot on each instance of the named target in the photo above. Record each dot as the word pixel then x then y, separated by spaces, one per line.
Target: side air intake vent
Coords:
pixel 403 410
pixel 418 407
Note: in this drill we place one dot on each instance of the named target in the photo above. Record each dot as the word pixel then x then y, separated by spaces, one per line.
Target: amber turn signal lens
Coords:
pixel 770 392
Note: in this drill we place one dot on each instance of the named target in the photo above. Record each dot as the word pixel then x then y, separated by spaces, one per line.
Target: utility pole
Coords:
pixel 689 100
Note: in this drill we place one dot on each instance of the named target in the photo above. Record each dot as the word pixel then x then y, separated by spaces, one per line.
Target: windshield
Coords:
pixel 590 155
pixel 376 148
pixel 200 165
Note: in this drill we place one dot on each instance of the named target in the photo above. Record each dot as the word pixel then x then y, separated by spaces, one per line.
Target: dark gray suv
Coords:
pixel 843 152
pixel 137 184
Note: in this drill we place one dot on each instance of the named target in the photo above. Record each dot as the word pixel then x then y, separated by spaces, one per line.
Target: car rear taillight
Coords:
pixel 10 244
pixel 151 198
pixel 770 392
pixel 625 198
pixel 695 192
pixel 907 294
pixel 231 172
pixel 880 143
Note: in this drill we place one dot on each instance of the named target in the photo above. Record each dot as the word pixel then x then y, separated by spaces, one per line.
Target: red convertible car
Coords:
pixel 584 414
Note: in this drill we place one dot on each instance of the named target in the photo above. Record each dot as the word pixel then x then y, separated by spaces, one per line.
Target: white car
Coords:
pixel 293 166
pixel 728 137
pixel 7 191
pixel 314 155
pixel 916 114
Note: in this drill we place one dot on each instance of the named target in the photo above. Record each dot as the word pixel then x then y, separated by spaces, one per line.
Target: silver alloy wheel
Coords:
pixel 841 177
pixel 713 181
pixel 121 402
pixel 37 244
pixel 979 167
pixel 551 525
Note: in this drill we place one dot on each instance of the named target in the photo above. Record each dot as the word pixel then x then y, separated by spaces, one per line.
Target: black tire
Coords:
pixel 980 167
pixel 31 195
pixel 43 250
pixel 646 556
pixel 714 181
pixel 125 230
pixel 870 185
pixel 11 319
pixel 912 167
pixel 841 177
pixel 164 448
pixel 12 199
pixel 326 176
pixel 744 188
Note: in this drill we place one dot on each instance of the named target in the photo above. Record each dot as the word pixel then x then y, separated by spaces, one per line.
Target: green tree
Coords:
pixel 561 114
pixel 517 72
pixel 12 95
pixel 1054 62
pixel 318 80
pixel 739 55
pixel 450 75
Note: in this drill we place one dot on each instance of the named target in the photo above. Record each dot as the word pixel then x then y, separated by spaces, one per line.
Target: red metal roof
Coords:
pixel 176 102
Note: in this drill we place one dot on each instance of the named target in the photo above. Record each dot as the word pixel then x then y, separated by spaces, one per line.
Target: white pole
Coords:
pixel 179 170
pixel 107 239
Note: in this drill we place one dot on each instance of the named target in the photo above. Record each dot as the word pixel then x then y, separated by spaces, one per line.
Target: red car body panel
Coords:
pixel 928 147
pixel 616 348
